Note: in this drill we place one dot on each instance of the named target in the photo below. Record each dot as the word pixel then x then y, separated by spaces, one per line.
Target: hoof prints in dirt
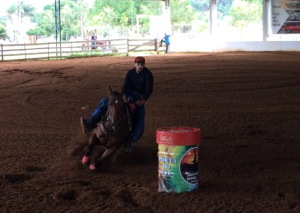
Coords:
pixel 34 169
pixel 53 71
pixel 68 195
pixel 16 178
pixel 83 183
pixel 126 197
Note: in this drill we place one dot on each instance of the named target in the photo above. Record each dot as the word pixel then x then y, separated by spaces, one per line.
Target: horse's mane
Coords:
pixel 114 93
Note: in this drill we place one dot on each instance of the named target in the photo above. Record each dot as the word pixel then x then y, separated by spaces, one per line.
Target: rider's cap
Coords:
pixel 139 59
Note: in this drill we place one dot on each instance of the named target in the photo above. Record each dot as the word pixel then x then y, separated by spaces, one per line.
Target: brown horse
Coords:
pixel 112 133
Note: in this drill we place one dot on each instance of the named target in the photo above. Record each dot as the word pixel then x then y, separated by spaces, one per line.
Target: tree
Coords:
pixel 11 10
pixel 120 15
pixel 3 34
pixel 72 13
pixel 45 23
pixel 203 6
pixel 26 10
pixel 182 13
pixel 245 12
pixel 3 20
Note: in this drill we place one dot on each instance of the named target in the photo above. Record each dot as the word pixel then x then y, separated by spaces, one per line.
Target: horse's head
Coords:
pixel 116 109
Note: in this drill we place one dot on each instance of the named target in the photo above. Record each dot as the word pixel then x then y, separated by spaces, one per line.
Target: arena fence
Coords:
pixel 56 50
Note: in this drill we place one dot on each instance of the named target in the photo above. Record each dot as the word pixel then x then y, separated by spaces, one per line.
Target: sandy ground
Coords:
pixel 247 106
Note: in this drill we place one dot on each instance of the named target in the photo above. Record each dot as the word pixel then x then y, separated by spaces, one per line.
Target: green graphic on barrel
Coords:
pixel 189 166
pixel 177 168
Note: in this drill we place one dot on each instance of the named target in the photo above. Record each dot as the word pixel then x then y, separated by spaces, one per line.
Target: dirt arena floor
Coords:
pixel 247 106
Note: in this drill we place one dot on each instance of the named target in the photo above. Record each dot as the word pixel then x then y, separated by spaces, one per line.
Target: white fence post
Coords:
pixel 91 49
pixel 60 50
pixel 2 52
pixel 156 46
pixel 127 47
pixel 71 48
pixel 25 50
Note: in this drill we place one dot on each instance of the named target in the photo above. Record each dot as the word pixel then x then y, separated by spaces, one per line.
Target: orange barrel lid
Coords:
pixel 181 136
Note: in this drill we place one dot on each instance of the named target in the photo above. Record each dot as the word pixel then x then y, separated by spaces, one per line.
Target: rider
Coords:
pixel 138 87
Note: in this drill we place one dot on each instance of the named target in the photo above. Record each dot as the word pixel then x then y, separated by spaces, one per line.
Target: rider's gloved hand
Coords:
pixel 140 102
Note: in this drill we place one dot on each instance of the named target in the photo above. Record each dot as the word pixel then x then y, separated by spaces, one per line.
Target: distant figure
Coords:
pixel 94 39
pixel 166 39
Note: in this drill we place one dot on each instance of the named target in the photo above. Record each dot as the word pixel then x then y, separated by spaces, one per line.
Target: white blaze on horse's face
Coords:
pixel 115 109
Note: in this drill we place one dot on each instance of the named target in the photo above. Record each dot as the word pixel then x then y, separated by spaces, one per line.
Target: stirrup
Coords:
pixel 128 146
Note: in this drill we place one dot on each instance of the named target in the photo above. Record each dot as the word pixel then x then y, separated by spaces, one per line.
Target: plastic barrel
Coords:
pixel 177 158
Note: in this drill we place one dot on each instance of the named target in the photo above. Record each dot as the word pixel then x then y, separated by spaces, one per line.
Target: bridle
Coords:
pixel 116 101
pixel 109 126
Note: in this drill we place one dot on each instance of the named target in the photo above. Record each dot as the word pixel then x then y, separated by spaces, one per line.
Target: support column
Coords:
pixel 213 18
pixel 266 9
pixel 167 17
pixel 137 24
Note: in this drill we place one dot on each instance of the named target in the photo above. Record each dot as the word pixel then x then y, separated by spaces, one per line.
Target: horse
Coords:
pixel 112 132
pixel 104 45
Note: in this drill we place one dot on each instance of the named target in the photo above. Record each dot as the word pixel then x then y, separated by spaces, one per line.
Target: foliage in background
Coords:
pixel 246 12
pixel 182 13
pixel 3 34
pixel 203 6
pixel 121 15
pixel 114 17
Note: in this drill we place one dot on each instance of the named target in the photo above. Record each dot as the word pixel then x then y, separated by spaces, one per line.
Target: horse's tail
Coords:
pixel 85 107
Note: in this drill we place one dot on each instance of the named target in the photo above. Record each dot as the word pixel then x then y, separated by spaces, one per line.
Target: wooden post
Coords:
pixel 25 50
pixel 156 46
pixel 2 52
pixel 71 48
pixel 91 50
pixel 127 47
pixel 60 50
pixel 48 52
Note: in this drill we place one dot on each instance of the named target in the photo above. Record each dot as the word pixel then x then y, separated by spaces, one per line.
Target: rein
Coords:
pixel 108 120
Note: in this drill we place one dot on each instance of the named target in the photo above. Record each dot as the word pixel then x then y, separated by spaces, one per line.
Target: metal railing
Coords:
pixel 56 50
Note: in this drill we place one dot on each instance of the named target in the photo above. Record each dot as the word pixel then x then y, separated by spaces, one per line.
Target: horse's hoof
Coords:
pixel 92 167
pixel 85 160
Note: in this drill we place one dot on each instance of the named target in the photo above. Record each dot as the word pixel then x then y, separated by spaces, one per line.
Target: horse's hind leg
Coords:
pixel 116 154
pixel 89 149
pixel 103 158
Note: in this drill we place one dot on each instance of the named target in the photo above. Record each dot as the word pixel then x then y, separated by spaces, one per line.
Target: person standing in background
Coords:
pixel 166 39
pixel 94 39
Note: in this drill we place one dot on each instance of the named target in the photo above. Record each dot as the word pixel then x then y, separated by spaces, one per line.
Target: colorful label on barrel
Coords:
pixel 177 168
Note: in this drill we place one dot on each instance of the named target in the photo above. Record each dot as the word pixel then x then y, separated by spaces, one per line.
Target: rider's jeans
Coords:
pixel 97 114
pixel 138 122
pixel 138 115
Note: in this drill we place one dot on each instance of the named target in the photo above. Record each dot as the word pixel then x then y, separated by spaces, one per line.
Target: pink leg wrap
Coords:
pixel 92 167
pixel 85 160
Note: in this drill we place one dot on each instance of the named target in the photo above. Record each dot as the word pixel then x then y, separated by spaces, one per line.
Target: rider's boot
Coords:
pixel 84 125
pixel 129 144
pixel 88 124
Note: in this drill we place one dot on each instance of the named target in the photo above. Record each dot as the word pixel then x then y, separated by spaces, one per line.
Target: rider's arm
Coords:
pixel 127 82
pixel 149 85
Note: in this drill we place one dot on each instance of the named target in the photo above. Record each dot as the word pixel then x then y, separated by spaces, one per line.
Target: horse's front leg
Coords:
pixel 89 149
pixel 103 158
